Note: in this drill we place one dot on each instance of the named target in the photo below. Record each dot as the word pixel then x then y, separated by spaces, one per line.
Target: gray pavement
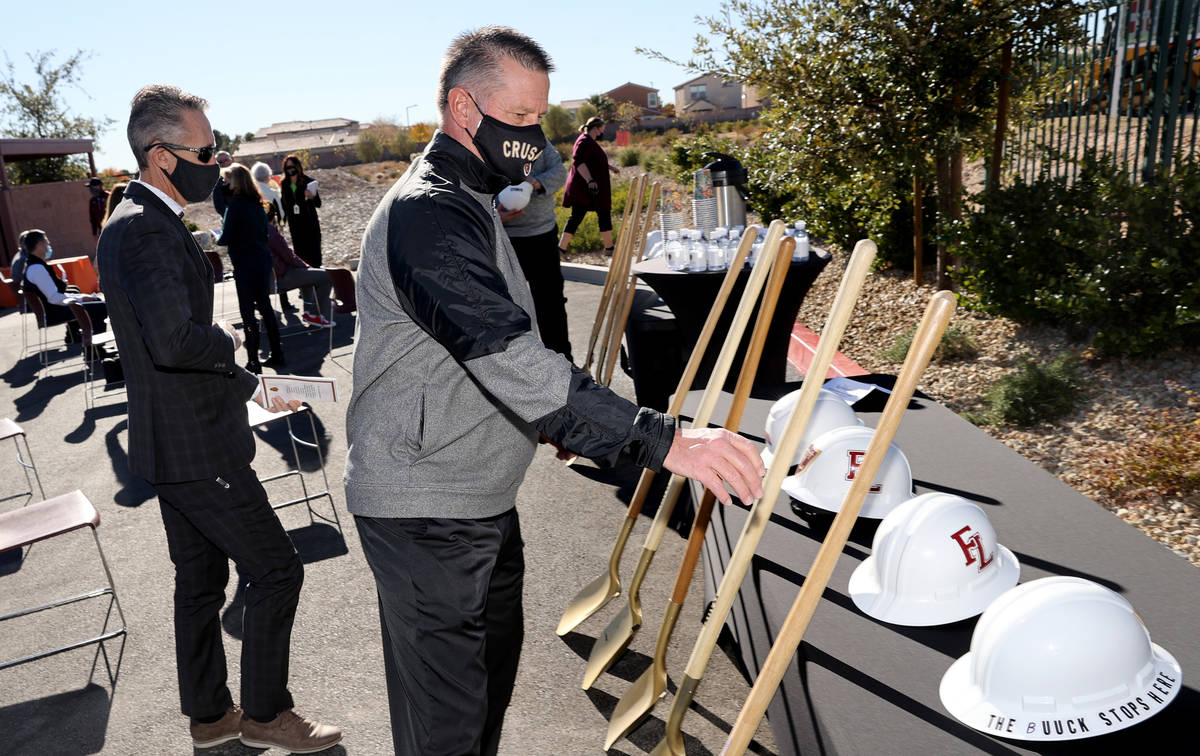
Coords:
pixel 69 704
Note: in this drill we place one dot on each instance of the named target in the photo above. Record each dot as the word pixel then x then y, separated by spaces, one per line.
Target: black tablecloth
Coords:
pixel 858 685
pixel 690 297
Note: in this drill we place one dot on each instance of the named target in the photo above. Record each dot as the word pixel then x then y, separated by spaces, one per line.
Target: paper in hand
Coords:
pixel 304 388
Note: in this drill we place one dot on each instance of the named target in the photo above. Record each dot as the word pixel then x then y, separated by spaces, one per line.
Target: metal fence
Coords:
pixel 1128 93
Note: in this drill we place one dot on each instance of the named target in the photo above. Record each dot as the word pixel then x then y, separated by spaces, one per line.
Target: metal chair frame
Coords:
pixel 345 302
pixel 92 343
pixel 45 520
pixel 259 417
pixel 9 429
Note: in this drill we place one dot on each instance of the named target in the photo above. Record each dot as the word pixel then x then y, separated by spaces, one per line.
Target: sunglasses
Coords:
pixel 203 154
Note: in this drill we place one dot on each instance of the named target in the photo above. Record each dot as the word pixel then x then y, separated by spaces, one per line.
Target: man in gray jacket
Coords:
pixel 533 232
pixel 451 389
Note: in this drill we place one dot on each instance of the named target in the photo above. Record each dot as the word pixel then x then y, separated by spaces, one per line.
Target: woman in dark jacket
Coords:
pixel 245 233
pixel 300 203
pixel 587 184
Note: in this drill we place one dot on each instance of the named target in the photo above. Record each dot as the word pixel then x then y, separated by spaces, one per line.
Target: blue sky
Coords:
pixel 263 62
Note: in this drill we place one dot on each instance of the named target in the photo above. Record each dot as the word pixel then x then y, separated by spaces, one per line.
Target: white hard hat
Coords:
pixel 1059 658
pixel 516 197
pixel 829 412
pixel 833 460
pixel 934 560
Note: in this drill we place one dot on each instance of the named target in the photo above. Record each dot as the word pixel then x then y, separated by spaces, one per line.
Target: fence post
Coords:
pixel 993 177
pixel 1180 73
pixel 1161 55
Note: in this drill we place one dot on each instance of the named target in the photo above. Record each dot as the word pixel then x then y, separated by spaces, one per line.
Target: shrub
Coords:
pixel 1114 261
pixel 955 344
pixel 1164 461
pixel 630 156
pixel 1033 393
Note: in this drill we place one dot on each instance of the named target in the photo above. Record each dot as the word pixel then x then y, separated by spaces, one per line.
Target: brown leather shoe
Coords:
pixel 291 732
pixel 228 727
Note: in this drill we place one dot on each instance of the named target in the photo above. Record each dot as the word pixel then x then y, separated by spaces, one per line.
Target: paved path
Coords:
pixel 569 518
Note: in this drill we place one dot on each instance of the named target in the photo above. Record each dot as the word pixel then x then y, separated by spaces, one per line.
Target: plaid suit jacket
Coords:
pixel 187 395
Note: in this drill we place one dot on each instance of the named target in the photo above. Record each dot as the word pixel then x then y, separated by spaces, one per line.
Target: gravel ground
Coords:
pixel 1115 412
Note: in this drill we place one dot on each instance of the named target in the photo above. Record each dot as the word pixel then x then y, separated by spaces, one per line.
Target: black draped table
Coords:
pixel 660 342
pixel 861 686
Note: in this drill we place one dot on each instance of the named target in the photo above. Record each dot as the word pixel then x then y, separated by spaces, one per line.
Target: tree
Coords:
pixel 368 146
pixel 557 123
pixel 604 105
pixel 586 111
pixel 627 115
pixel 870 99
pixel 36 111
pixel 226 142
pixel 421 133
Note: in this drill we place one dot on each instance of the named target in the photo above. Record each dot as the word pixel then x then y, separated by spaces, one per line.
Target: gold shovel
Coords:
pixel 645 692
pixel 620 631
pixel 603 589
pixel 760 512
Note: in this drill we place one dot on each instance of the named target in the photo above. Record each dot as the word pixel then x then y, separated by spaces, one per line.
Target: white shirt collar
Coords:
pixel 166 198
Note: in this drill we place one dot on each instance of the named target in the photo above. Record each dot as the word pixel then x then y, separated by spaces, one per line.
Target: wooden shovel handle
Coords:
pixel 610 282
pixel 760 513
pixel 693 363
pixel 621 317
pixel 929 333
pixel 733 420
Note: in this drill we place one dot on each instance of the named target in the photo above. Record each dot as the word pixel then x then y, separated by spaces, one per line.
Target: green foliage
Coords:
pixel 227 142
pixel 629 156
pixel 36 111
pixel 369 146
pixel 586 111
pixel 955 344
pixel 565 149
pixel 604 105
pixel 1101 255
pixel 1033 393
pixel 190 225
pixel 689 154
pixel 863 93
pixel 587 237
pixel 557 123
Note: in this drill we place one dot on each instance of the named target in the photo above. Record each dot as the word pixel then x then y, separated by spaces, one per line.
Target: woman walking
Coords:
pixel 587 184
pixel 300 203
pixel 245 233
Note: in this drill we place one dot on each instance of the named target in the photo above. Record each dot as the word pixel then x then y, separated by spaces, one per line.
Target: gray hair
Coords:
pixel 156 114
pixel 473 60
pixel 30 239
pixel 261 172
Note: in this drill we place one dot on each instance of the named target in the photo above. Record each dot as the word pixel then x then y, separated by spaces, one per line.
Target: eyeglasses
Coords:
pixel 203 154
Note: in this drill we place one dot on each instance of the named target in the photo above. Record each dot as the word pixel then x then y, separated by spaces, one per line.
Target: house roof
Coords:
pixel 631 84
pixel 698 78
pixel 291 142
pixel 698 105
pixel 287 127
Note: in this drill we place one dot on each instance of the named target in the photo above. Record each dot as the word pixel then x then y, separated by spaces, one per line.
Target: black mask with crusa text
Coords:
pixel 506 149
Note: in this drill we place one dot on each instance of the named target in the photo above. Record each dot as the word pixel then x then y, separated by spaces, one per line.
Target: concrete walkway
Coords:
pixel 570 517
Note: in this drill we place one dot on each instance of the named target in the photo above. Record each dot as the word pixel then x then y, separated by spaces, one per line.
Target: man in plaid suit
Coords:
pixel 189 436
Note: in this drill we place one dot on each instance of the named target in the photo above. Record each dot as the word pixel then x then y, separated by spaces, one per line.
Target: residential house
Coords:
pixel 707 92
pixel 572 106
pixel 644 97
pixel 329 142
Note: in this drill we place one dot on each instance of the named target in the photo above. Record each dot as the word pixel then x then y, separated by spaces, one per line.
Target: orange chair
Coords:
pixel 48 519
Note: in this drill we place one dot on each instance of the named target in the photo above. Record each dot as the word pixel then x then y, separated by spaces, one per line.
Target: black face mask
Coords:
pixel 291 172
pixel 194 182
pixel 506 149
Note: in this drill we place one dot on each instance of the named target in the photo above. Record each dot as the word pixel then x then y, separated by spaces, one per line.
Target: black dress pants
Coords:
pixel 209 522
pixel 450 604
pixel 254 293
pixel 538 256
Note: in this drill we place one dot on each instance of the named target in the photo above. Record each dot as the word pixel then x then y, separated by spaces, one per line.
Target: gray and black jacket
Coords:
pixel 451 383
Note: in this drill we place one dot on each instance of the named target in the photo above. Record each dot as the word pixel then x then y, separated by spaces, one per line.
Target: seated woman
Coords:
pixel 293 273
pixel 38 279
pixel 245 233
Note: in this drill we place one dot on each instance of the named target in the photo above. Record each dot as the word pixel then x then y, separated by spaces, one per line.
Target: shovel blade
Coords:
pixel 588 601
pixel 636 704
pixel 611 644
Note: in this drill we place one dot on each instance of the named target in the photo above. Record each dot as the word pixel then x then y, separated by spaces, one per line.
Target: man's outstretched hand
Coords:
pixel 714 457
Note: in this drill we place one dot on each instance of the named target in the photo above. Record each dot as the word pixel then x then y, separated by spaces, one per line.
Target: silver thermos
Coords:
pixel 729 186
